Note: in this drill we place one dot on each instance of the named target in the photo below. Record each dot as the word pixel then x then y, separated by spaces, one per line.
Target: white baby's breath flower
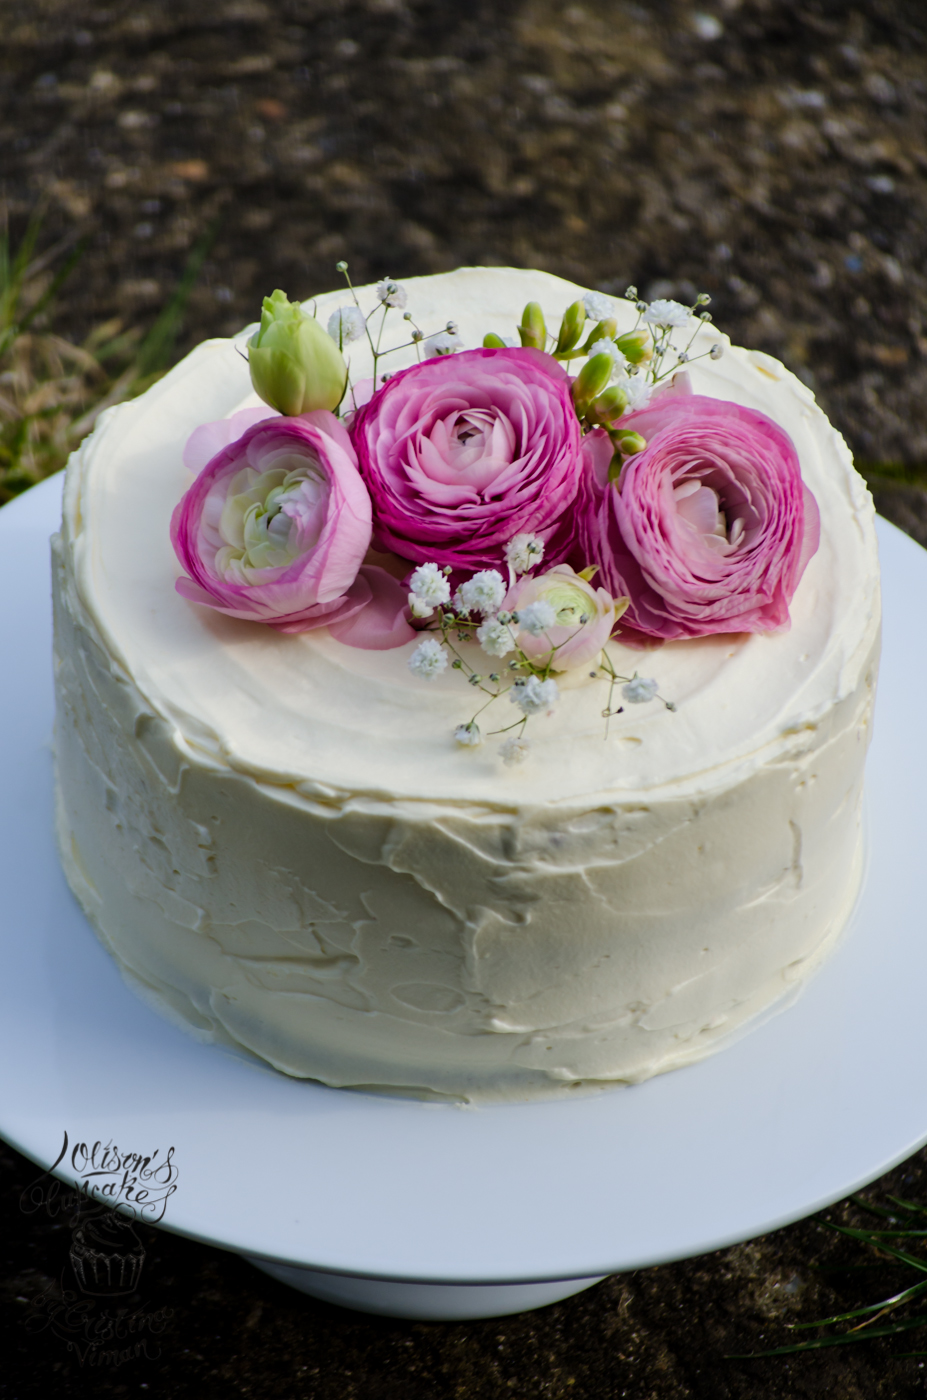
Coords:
pixel 537 618
pixel 638 390
pixel 346 324
pixel 598 306
pixel 523 553
pixel 494 637
pixel 428 659
pixel 468 735
pixel 443 343
pixel 429 583
pixel 482 593
pixel 534 695
pixel 391 293
pixel 638 690
pixel 514 750
pixel 418 607
pixel 667 314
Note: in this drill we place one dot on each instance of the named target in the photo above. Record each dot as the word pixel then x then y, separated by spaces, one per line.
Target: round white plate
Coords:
pixel 806 1108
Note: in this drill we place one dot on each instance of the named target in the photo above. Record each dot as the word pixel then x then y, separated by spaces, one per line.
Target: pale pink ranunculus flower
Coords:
pixel 710 527
pixel 584 617
pixel 275 527
pixel 465 451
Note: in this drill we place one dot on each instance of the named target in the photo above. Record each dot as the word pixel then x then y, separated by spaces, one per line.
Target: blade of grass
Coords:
pixel 846 1339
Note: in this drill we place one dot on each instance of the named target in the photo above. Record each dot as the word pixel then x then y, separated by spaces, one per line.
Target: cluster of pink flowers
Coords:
pixel 302 522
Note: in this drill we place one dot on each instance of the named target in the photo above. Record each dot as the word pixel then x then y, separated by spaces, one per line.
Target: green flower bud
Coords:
pixel 614 467
pixel 603 330
pixel 533 331
pixel 591 380
pixel 295 365
pixel 609 405
pixel 491 341
pixel 571 327
pixel 630 442
pixel 635 345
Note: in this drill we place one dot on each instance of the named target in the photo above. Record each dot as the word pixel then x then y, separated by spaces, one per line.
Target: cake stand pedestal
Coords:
pixel 428 1209
pixel 424 1302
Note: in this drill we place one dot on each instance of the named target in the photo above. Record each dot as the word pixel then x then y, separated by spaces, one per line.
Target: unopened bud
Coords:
pixel 604 330
pixel 716 352
pixel 635 345
pixel 295 365
pixel 341 266
pixel 609 405
pixel 630 442
pixel 591 380
pixel 702 299
pixel 533 331
pixel 493 342
pixel 571 327
pixel 631 294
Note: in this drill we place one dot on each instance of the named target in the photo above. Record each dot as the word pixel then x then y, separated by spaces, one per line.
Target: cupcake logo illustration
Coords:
pixel 107 1255
pixel 95 1307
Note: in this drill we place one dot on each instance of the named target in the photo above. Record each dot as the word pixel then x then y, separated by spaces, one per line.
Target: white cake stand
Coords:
pixel 428 1210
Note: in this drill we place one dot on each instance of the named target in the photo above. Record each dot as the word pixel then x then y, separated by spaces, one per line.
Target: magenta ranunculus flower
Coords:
pixel 711 527
pixel 465 451
pixel 276 526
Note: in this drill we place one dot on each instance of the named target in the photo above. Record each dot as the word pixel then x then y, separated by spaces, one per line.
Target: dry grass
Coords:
pixel 52 390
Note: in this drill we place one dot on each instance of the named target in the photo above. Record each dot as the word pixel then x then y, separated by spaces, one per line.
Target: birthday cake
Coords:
pixel 480 720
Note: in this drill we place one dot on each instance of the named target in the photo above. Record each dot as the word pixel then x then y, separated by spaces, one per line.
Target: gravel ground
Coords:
pixel 771 153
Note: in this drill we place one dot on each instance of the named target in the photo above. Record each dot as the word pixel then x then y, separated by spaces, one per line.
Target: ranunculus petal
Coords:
pixel 209 438
pixel 380 625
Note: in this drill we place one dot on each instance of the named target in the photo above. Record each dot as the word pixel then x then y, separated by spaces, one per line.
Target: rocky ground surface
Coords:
pixel 770 152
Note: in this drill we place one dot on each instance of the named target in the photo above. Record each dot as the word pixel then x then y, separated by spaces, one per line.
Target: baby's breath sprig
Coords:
pixel 636 690
pixel 476 613
pixel 348 324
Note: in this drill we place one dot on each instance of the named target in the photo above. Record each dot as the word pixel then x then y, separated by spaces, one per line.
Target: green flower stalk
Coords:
pixel 296 367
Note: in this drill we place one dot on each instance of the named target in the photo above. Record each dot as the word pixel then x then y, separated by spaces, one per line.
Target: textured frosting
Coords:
pixel 279 841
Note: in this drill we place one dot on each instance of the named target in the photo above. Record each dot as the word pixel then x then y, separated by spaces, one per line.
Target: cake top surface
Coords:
pixel 334 723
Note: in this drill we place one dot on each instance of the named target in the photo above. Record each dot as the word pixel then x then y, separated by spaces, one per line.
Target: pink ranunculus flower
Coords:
pixel 710 527
pixel 275 527
pixel 568 619
pixel 465 451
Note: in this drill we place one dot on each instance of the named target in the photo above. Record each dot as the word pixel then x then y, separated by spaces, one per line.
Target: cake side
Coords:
pixel 268 835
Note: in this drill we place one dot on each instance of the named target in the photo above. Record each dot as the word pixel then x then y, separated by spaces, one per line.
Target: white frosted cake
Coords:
pixel 277 840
